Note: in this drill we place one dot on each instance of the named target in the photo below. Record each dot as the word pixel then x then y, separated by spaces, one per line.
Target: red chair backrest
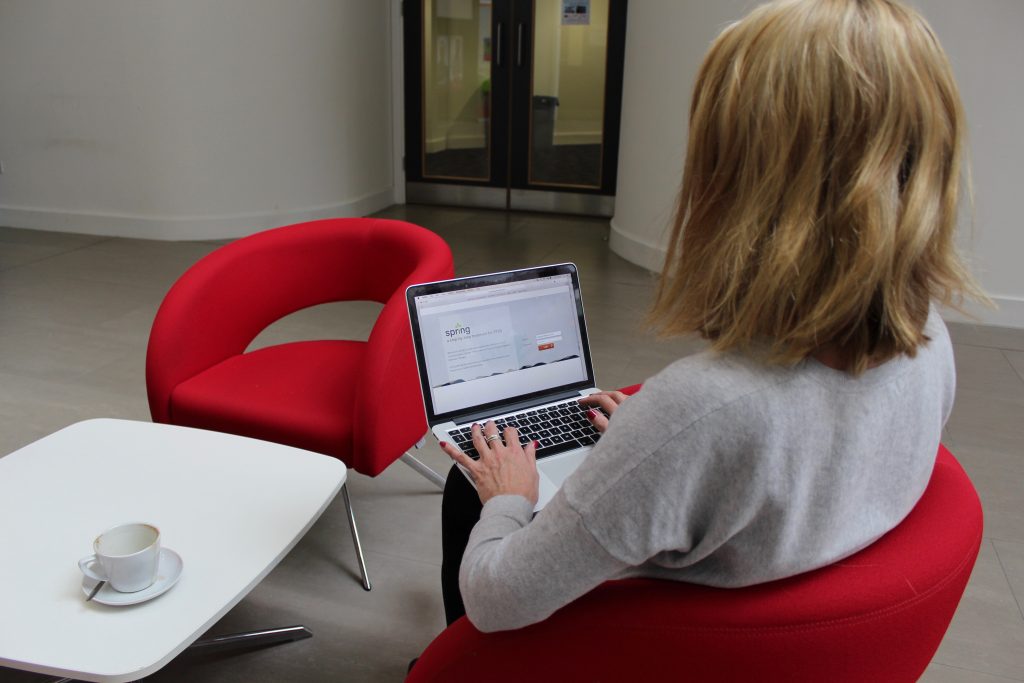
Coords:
pixel 878 615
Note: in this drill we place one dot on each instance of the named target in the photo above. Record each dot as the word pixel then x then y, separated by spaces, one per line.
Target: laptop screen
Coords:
pixel 487 340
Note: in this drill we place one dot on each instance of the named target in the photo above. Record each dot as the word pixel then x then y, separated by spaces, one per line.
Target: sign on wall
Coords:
pixel 575 12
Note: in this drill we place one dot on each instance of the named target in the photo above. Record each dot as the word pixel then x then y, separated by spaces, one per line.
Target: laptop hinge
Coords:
pixel 514 407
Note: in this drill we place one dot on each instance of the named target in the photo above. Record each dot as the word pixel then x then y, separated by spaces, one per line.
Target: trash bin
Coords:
pixel 543 124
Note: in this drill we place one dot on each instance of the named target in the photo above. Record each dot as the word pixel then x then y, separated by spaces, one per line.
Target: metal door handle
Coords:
pixel 519 45
pixel 497 45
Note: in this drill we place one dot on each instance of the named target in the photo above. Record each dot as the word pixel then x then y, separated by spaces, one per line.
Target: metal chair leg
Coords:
pixel 355 536
pixel 424 469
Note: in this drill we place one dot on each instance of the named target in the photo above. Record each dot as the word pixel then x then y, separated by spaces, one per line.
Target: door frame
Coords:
pixel 584 202
pixel 521 120
pixel 396 26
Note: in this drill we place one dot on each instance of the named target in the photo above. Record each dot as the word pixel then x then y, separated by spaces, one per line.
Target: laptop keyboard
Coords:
pixel 557 428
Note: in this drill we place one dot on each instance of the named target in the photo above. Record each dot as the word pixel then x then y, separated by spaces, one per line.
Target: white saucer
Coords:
pixel 167 574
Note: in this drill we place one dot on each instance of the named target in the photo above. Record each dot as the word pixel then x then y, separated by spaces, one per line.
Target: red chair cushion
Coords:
pixel 215 310
pixel 298 394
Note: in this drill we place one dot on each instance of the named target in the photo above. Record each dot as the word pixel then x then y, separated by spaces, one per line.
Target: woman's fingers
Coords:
pixel 501 469
pixel 490 428
pixel 458 456
pixel 480 434
pixel 607 401
pixel 599 421
pixel 485 443
pixel 511 437
pixel 531 452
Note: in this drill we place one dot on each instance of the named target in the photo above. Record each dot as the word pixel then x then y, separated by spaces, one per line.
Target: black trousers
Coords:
pixel 460 511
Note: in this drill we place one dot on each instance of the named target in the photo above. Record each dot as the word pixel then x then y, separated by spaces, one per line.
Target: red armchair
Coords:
pixel 326 396
pixel 876 616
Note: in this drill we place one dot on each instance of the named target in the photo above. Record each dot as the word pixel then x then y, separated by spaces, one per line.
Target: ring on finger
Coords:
pixel 492 437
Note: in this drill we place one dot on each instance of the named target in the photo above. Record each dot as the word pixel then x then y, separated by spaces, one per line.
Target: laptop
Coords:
pixel 510 347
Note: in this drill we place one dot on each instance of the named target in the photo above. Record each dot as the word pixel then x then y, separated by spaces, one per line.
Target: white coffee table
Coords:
pixel 231 507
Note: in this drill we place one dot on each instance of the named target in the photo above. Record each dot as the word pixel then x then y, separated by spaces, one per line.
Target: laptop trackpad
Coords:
pixel 560 467
pixel 545 492
pixel 554 471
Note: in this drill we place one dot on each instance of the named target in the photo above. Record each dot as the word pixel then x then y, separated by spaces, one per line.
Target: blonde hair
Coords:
pixel 820 190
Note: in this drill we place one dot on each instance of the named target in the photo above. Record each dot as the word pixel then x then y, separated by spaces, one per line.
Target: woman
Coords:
pixel 814 232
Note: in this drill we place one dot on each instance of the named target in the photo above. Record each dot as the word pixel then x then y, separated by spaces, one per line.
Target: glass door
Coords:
pixel 457 90
pixel 513 103
pixel 456 128
pixel 567 94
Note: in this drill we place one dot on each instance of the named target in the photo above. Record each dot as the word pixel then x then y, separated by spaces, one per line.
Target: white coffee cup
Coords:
pixel 127 557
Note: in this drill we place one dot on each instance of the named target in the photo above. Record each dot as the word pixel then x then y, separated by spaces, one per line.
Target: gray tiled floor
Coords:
pixel 75 313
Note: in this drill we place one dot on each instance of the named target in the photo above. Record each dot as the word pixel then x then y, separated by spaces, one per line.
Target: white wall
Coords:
pixel 665 42
pixel 185 119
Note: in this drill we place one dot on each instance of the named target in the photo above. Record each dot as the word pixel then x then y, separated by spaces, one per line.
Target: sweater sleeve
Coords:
pixel 516 572
pixel 599 526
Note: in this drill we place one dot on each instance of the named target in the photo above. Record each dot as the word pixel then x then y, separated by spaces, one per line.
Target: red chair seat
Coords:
pixel 299 393
pixel 878 615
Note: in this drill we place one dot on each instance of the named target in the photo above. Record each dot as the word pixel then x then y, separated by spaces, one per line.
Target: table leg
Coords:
pixel 246 639
pixel 263 638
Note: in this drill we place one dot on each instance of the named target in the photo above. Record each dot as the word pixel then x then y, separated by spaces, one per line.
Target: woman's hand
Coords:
pixel 504 468
pixel 607 401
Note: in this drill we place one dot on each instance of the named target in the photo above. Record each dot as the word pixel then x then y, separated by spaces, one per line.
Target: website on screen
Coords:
pixel 492 343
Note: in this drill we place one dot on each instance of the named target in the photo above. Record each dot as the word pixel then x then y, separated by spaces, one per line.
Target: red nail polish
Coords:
pixel 591 413
pixel 536 444
pixel 444 444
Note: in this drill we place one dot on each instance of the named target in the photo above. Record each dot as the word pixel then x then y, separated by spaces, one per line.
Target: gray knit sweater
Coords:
pixel 721 471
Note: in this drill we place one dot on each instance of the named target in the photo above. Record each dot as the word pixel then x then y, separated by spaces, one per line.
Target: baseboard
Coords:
pixel 578 137
pixel 435 144
pixel 477 140
pixel 1009 311
pixel 173 228
pixel 635 250
pixel 473 140
pixel 457 141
